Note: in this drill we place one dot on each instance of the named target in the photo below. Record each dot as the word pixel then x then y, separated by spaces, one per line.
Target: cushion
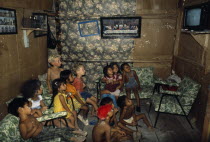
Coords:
pixel 9 130
pixel 145 75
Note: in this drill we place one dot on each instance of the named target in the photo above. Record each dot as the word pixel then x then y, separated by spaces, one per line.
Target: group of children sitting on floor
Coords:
pixel 68 94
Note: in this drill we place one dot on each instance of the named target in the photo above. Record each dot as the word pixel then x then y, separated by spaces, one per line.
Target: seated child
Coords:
pixel 60 103
pixel 131 83
pixel 127 113
pixel 102 130
pixel 128 131
pixel 74 97
pixel 79 85
pixel 117 74
pixel 112 84
pixel 32 91
pixel 30 128
pixel 54 71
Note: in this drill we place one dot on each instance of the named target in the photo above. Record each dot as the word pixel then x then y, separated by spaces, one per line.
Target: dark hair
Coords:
pixel 65 74
pixel 114 63
pixel 55 85
pixel 105 101
pixel 106 69
pixel 15 104
pixel 121 101
pixel 122 66
pixel 30 87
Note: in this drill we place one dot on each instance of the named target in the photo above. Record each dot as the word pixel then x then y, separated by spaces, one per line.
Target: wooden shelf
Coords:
pixel 30 30
pixel 195 32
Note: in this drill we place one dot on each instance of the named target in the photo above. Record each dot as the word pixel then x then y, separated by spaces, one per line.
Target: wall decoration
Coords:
pixel 41 22
pixel 8 21
pixel 88 28
pixel 120 27
pixel 92 51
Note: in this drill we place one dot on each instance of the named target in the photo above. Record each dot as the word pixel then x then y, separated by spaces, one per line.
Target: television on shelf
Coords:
pixel 120 27
pixel 197 17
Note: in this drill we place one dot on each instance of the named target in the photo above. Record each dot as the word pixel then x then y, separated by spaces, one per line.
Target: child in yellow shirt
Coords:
pixel 60 102
pixel 75 99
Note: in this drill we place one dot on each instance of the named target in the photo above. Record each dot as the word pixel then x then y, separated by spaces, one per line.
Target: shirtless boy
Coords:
pixel 54 71
pixel 102 132
pixel 31 128
pixel 127 113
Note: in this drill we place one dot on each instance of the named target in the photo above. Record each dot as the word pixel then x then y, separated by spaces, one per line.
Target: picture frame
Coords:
pixel 120 27
pixel 41 23
pixel 89 28
pixel 8 21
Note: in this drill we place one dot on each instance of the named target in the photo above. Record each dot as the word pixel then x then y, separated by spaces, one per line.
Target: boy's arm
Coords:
pixel 26 134
pixel 44 107
pixel 48 80
pixel 62 99
pixel 122 115
pixel 136 78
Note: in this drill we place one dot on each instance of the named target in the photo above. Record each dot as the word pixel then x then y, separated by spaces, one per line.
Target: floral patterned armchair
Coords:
pixel 177 102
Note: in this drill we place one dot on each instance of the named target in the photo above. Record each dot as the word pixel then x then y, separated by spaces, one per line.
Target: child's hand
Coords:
pixel 115 110
pixel 122 133
pixel 44 108
pixel 134 123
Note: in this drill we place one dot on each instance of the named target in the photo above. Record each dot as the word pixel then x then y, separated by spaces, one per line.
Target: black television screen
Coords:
pixel 197 17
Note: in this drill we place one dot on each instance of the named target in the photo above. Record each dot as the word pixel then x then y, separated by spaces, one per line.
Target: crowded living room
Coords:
pixel 105 70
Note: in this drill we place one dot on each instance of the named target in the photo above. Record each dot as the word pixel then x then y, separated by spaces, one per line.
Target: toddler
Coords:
pixel 54 71
pixel 30 128
pixel 32 91
pixel 60 103
pixel 75 98
pixel 79 85
pixel 117 74
pixel 131 83
pixel 127 113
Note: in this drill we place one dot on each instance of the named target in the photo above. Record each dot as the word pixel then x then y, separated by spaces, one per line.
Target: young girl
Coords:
pixel 131 83
pixel 127 113
pixel 32 91
pixel 79 85
pixel 75 98
pixel 60 103
pixel 112 83
pixel 117 73
pixel 54 71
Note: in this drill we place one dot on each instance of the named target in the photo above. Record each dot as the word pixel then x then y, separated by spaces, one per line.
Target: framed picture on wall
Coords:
pixel 120 27
pixel 41 22
pixel 8 21
pixel 88 28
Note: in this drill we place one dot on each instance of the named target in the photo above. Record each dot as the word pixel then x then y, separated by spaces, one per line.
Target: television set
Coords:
pixel 197 17
pixel 120 27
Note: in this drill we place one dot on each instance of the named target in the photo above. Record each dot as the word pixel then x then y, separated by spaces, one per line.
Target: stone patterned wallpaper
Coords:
pixel 93 52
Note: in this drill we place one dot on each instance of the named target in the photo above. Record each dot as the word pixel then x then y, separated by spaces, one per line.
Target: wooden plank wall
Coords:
pixel 17 62
pixel 192 59
pixel 156 45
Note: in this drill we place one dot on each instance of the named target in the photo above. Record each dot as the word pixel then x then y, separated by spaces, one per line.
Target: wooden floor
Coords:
pixel 169 128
